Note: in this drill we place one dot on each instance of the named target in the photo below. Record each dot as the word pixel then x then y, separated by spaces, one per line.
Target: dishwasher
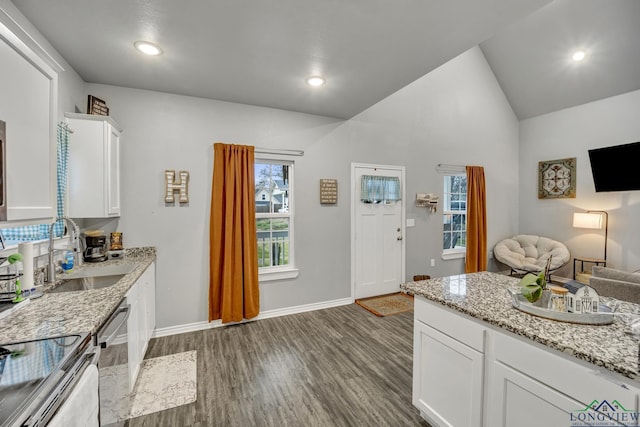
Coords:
pixel 50 381
pixel 113 340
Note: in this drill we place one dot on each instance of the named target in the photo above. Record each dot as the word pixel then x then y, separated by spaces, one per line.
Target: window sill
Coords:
pixel 268 276
pixel 454 254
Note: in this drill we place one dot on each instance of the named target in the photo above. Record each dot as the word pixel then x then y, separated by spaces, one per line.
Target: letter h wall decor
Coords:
pixel 181 186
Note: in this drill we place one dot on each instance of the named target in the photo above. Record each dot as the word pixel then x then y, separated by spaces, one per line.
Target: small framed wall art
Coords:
pixel 328 191
pixel 97 106
pixel 557 179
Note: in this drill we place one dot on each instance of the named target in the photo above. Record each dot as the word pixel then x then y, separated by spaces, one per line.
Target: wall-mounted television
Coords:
pixel 616 168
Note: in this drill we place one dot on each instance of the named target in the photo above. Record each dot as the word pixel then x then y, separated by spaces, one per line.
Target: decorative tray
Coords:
pixel 603 317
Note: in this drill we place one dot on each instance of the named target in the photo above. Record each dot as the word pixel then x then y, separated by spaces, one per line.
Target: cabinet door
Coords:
pixel 447 379
pixel 113 172
pixel 133 332
pixel 28 88
pixel 151 299
pixel 515 399
pixel 94 166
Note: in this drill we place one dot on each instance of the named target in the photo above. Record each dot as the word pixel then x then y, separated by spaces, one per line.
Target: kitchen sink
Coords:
pixel 86 283
pixel 93 277
pixel 90 270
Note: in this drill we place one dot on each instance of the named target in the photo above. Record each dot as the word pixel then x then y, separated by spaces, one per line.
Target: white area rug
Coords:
pixel 163 383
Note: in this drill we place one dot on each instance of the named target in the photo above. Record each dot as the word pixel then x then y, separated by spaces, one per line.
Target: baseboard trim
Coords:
pixel 199 326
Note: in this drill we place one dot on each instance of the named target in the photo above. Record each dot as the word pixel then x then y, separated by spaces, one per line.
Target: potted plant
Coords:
pixel 534 287
pixel 13 258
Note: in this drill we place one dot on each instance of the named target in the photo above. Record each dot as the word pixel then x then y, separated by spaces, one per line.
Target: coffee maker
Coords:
pixel 96 248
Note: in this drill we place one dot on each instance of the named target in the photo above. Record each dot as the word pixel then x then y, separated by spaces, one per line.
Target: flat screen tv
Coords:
pixel 616 168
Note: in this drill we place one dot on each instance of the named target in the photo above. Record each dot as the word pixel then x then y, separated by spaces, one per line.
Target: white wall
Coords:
pixel 570 133
pixel 456 114
pixel 163 131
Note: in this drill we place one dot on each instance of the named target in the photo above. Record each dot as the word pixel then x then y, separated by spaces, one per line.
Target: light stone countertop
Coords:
pixel 64 313
pixel 484 296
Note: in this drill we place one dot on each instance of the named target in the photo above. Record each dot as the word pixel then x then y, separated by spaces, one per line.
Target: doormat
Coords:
pixel 387 305
pixel 163 383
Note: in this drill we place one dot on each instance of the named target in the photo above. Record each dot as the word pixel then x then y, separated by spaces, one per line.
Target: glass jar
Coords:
pixel 557 298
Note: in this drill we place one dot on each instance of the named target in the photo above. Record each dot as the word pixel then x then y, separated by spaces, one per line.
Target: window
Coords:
pixel 274 218
pixel 454 234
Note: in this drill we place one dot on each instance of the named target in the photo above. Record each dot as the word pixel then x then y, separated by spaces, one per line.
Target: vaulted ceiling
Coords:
pixel 260 52
pixel 532 57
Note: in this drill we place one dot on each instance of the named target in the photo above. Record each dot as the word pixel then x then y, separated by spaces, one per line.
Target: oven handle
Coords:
pixel 126 309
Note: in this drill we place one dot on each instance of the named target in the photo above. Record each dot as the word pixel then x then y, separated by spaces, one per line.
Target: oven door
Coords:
pixel 3 164
pixel 44 375
pixel 82 405
pixel 113 365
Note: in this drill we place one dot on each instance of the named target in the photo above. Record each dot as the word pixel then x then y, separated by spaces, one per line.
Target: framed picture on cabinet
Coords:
pixel 97 106
pixel 557 179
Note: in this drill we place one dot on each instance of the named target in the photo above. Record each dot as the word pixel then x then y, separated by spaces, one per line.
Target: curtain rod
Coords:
pixel 280 151
pixel 450 169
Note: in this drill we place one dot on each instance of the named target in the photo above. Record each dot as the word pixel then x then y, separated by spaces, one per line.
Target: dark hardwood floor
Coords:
pixel 335 367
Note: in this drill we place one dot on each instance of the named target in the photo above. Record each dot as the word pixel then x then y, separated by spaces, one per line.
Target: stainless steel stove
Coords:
pixel 37 376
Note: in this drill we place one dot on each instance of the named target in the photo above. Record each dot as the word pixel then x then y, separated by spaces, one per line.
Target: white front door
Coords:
pixel 377 237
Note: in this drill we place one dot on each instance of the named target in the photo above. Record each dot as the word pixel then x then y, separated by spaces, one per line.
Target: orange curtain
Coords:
pixel 476 259
pixel 233 276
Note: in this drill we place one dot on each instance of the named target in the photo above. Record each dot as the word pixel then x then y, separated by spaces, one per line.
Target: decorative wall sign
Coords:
pixel 557 179
pixel 328 191
pixel 97 106
pixel 181 186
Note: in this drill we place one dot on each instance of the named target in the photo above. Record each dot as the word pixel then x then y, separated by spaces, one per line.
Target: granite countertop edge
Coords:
pixel 64 313
pixel 555 334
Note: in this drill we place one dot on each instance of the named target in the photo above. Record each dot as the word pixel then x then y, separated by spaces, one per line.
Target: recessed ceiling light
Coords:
pixel 148 48
pixel 578 55
pixel 315 81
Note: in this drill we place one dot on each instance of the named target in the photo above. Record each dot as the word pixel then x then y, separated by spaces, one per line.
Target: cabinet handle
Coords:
pixel 104 343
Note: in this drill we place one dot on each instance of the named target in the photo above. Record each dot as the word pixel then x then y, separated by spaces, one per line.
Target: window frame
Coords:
pixel 460 251
pixel 289 271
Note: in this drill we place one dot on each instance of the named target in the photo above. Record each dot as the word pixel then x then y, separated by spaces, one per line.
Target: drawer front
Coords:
pixel 450 322
pixel 564 373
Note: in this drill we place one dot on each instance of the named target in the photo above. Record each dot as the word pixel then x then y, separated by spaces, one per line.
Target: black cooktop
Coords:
pixel 29 369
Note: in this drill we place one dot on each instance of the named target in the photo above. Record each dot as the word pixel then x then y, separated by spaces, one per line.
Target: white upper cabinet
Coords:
pixel 28 103
pixel 94 166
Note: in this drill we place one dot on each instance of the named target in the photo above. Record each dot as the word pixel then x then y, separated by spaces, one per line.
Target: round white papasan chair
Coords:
pixel 529 254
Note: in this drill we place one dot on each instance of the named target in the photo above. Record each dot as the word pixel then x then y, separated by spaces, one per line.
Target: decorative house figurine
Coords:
pixel 581 299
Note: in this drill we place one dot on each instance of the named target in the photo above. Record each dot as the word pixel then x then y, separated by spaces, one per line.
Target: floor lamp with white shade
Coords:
pixel 593 220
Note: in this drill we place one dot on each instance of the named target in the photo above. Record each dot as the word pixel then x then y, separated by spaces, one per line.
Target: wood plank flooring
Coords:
pixel 336 367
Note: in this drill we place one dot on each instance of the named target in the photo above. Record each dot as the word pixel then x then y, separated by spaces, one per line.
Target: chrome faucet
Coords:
pixel 74 238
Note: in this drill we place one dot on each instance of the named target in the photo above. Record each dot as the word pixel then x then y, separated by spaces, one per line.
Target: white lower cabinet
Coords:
pixel 468 373
pixel 141 322
pixel 527 378
pixel 133 332
pixel 447 382
pixel 518 400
